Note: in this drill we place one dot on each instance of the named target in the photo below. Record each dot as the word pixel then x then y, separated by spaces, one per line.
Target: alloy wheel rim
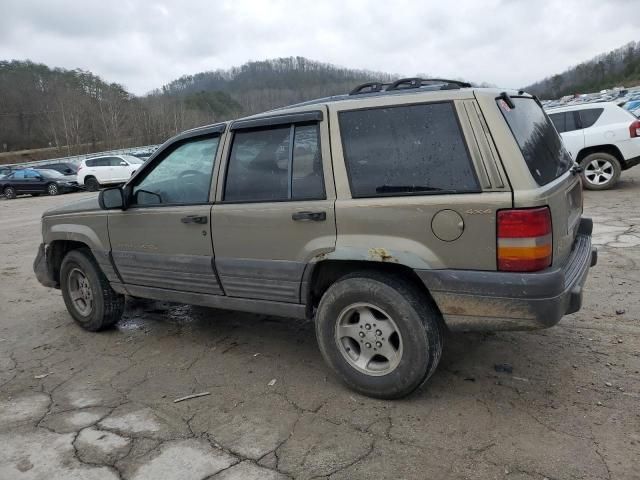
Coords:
pixel 599 171
pixel 80 292
pixel 368 339
pixel 53 189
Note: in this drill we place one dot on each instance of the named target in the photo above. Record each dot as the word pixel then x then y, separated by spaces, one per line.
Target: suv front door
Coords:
pixel 275 206
pixel 163 239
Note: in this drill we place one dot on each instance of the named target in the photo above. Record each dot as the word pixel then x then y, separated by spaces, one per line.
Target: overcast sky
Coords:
pixel 145 44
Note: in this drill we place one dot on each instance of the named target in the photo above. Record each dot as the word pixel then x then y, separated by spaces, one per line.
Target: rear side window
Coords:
pixel 98 162
pixel 275 164
pixel 590 116
pixel 539 142
pixel 406 150
pixel 564 122
pixel 18 175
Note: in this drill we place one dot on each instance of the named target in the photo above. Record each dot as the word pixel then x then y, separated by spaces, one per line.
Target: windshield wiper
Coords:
pixel 406 188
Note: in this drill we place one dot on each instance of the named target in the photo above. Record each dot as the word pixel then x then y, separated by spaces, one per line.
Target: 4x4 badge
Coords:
pixel 474 211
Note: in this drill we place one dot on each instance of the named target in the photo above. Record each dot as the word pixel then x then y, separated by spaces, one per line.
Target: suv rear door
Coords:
pixel 275 205
pixel 524 132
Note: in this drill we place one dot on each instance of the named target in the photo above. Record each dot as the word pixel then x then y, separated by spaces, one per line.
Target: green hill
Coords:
pixel 617 67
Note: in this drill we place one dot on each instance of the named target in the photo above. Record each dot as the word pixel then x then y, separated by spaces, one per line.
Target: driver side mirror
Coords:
pixel 124 164
pixel 111 199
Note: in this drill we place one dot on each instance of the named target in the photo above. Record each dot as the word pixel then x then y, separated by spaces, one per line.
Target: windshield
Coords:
pixel 537 138
pixel 50 173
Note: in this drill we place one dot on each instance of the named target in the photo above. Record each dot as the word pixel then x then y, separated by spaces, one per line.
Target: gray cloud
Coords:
pixel 144 44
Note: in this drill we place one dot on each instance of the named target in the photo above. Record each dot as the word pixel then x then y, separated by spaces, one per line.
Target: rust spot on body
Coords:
pixel 381 254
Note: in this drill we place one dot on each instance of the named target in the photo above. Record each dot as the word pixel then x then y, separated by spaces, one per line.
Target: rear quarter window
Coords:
pixel 406 150
pixel 540 144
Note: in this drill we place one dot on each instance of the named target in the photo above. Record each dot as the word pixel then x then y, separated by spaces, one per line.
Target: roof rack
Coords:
pixel 369 87
pixel 407 83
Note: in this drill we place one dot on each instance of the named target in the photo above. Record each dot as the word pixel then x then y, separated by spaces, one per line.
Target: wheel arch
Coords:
pixel 610 149
pixel 319 276
pixel 56 252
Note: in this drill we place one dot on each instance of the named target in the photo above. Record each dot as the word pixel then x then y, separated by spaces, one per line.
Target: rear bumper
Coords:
pixel 42 268
pixel 490 301
pixel 631 162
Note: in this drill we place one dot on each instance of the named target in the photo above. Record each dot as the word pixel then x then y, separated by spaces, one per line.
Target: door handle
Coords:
pixel 309 216
pixel 201 219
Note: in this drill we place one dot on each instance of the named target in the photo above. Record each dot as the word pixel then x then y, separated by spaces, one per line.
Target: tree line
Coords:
pixel 619 67
pixel 69 112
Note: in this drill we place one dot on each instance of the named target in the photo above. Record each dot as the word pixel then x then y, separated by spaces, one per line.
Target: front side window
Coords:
pixel 564 121
pixel 181 177
pixel 32 174
pixel 116 162
pixel 406 150
pixel 275 164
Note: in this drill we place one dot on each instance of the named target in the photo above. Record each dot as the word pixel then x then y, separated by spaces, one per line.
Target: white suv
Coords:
pixel 602 137
pixel 108 170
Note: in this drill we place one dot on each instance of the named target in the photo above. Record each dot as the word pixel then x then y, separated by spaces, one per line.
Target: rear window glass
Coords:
pixel 590 116
pixel 539 142
pixel 405 150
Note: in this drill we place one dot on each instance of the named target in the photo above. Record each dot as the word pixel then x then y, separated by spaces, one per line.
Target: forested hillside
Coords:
pixel 74 111
pixel 263 85
pixel 618 67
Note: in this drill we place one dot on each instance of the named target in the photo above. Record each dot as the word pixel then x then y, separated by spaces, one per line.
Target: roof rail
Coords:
pixel 407 83
pixel 369 87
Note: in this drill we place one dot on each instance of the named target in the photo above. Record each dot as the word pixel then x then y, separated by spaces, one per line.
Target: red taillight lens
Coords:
pixel 525 239
pixel 79 167
pixel 634 129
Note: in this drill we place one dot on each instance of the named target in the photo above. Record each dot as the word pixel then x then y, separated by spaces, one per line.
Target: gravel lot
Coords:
pixel 101 406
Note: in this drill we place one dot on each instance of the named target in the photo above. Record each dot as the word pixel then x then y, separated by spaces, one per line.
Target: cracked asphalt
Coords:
pixel 77 405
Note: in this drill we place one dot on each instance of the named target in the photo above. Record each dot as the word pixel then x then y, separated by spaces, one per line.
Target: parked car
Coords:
pixel 62 167
pixel 36 182
pixel 96 172
pixel 602 137
pixel 632 106
pixel 386 215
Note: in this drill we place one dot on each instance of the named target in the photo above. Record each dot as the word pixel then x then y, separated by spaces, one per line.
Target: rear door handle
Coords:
pixel 309 216
pixel 201 219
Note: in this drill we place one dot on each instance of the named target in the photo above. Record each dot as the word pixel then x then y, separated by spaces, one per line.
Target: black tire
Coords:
pixel 107 305
pixel 9 193
pixel 53 190
pixel 92 184
pixel 418 321
pixel 594 181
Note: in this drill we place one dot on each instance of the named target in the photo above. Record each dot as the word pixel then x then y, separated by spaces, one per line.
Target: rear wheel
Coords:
pixel 52 189
pixel 89 298
pixel 601 171
pixel 380 334
pixel 92 184
pixel 10 192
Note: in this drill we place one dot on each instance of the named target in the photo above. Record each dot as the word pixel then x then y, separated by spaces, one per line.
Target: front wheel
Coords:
pixel 89 298
pixel 380 334
pixel 10 193
pixel 601 171
pixel 92 184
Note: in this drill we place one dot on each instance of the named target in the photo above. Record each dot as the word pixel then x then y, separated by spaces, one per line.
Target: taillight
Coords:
pixel 525 239
pixel 634 129
pixel 79 167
